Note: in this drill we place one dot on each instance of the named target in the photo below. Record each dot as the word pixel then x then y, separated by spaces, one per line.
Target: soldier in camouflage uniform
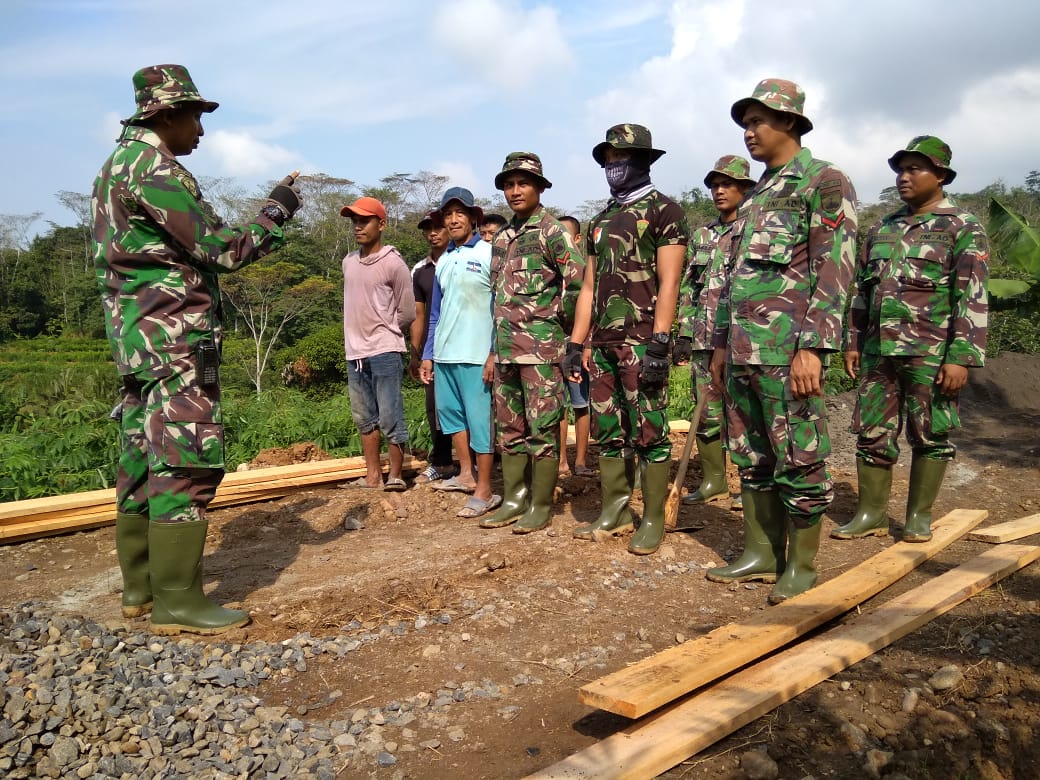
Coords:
pixel 628 299
pixel 779 318
pixel 916 324
pixel 707 259
pixel 158 250
pixel 536 275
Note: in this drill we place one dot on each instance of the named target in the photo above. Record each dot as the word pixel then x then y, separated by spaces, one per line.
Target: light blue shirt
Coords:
pixel 460 312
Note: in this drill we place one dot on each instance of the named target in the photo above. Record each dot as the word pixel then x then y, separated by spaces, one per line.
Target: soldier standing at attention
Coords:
pixel 707 258
pixel 779 318
pixel 917 322
pixel 536 275
pixel 628 299
pixel 158 250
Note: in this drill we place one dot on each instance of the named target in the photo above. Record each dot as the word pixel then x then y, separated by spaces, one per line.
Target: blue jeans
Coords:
pixel 374 384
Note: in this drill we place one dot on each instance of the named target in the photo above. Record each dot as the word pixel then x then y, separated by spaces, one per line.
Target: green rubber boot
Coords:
pixel 514 488
pixel 132 552
pixel 926 477
pixel 800 572
pixel 655 478
pixel 765 535
pixel 544 473
pixel 713 486
pixel 175 555
pixel 871 518
pixel 616 480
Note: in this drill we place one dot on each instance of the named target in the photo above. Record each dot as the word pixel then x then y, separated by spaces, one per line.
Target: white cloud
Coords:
pixel 461 174
pixel 500 42
pixel 241 154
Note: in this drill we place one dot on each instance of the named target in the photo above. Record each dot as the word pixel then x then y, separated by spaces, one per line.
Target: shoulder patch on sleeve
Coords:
pixel 831 195
pixel 187 180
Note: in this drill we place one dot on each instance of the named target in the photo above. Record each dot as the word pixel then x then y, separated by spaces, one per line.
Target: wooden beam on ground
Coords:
pixel 1009 531
pixel 671 736
pixel 653 682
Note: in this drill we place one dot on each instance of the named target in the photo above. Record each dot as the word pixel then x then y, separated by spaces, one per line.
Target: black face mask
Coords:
pixel 626 176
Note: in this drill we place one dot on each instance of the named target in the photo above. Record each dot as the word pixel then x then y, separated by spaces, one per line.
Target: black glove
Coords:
pixel 682 351
pixel 571 363
pixel 286 197
pixel 654 371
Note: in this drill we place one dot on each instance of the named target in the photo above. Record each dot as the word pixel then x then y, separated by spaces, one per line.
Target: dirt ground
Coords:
pixel 540 615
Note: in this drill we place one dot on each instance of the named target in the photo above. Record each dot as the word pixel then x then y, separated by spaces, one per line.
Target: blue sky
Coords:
pixel 362 90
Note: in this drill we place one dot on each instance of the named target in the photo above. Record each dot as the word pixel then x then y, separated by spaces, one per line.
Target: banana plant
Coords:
pixel 1018 243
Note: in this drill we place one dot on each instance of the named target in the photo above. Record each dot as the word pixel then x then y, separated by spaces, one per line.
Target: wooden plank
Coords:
pixel 665 676
pixel 1009 531
pixel 671 736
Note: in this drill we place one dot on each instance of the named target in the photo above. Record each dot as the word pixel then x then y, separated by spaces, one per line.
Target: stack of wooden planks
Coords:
pixel 701 691
pixel 36 517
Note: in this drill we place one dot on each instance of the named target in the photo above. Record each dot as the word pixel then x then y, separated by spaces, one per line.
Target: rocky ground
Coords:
pixel 417 645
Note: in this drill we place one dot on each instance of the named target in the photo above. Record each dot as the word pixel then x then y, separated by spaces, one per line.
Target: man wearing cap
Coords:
pixel 423 272
pixel 378 305
pixel 916 324
pixel 536 275
pixel 459 348
pixel 779 319
pixel 628 300
pixel 707 259
pixel 159 248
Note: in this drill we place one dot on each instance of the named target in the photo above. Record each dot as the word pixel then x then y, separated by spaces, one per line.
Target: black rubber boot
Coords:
pixel 655 479
pixel 175 556
pixel 800 572
pixel 765 536
pixel 713 486
pixel 926 477
pixel 871 518
pixel 132 552
pixel 544 473
pixel 616 479
pixel 516 494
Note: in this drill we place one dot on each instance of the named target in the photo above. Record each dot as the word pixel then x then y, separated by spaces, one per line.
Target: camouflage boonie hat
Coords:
pixel 732 165
pixel 164 86
pixel 932 147
pixel 779 95
pixel 627 136
pixel 528 162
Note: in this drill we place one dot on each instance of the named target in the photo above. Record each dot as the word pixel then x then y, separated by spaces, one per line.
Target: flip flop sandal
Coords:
pixel 584 471
pixel 395 485
pixel 453 486
pixel 475 507
pixel 435 474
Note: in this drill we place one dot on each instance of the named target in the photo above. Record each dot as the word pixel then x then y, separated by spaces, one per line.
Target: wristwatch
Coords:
pixel 274 213
pixel 661 338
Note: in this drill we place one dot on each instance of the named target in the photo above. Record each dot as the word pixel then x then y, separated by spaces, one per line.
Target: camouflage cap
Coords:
pixel 627 136
pixel 465 197
pixel 164 86
pixel 779 95
pixel 528 162
pixel 932 147
pixel 732 165
pixel 431 219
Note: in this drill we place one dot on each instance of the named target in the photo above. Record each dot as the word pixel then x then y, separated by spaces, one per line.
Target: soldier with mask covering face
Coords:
pixel 636 247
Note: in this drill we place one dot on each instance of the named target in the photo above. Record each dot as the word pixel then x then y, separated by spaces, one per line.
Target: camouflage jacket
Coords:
pixel 623 241
pixel 158 247
pixel 707 261
pixel 536 275
pixel 794 254
pixel 921 287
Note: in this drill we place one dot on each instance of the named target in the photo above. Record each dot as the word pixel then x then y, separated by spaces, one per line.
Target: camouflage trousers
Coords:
pixel 529 405
pixel 625 418
pixel 173 446
pixel 892 389
pixel 711 418
pixel 778 442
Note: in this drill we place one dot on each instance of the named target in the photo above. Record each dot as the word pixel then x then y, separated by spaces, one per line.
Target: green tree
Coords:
pixel 267 296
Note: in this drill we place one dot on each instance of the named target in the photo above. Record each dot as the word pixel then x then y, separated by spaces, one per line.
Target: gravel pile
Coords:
pixel 84 700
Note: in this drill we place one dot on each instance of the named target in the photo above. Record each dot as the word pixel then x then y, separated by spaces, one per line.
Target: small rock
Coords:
pixel 946 678
pixel 757 765
pixel 876 761
pixel 352 523
pixel 910 699
pixel 385 759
